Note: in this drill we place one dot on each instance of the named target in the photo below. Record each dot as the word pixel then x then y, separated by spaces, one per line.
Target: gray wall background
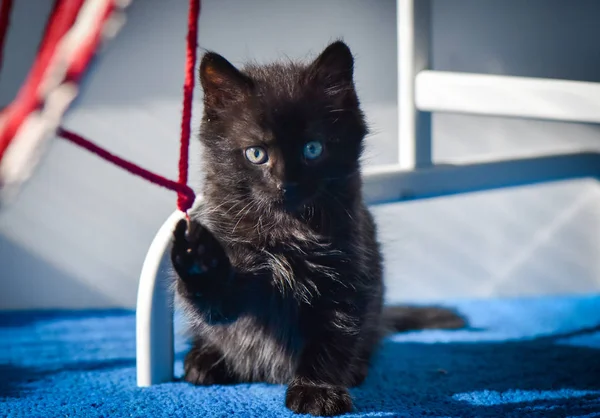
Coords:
pixel 78 233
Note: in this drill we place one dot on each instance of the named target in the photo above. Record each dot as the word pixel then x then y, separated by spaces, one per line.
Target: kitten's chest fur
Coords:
pixel 290 274
pixel 297 259
pixel 262 344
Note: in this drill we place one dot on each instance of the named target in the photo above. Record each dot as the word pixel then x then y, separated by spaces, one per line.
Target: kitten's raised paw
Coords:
pixel 318 400
pixel 196 253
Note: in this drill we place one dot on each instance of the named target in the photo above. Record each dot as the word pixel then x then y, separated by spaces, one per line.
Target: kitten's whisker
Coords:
pixel 234 206
pixel 341 205
pixel 239 214
pixel 249 207
pixel 214 209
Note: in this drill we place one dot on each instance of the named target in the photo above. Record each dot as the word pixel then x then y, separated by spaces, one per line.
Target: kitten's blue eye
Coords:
pixel 256 155
pixel 313 150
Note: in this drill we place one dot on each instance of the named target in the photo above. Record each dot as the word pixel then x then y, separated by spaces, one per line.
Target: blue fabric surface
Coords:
pixel 521 357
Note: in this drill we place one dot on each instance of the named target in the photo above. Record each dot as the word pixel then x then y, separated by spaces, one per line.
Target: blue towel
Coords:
pixel 521 357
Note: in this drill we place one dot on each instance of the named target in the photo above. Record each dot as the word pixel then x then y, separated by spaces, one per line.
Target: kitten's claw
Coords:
pixel 196 252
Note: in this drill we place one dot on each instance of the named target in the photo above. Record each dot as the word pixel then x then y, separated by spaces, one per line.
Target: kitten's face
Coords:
pixel 283 135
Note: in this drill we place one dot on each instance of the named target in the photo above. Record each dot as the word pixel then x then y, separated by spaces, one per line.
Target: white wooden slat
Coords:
pixel 384 184
pixel 498 95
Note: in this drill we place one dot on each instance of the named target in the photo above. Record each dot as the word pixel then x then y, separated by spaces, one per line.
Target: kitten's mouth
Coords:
pixel 293 205
pixel 294 199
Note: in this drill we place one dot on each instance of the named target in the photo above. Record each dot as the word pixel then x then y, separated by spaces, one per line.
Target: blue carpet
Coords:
pixel 521 357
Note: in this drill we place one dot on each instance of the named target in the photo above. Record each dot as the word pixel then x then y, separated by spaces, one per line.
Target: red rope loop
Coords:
pixel 186 193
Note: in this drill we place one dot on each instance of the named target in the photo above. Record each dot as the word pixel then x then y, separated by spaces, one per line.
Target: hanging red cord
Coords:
pixel 188 93
pixel 184 191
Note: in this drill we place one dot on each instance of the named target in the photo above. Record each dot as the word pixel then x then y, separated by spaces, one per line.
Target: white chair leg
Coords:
pixel 414 55
pixel 154 311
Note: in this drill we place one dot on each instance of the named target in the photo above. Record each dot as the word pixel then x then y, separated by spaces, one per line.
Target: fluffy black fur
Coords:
pixel 280 272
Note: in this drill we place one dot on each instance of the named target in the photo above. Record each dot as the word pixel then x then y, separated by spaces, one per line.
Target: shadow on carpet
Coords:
pixel 526 357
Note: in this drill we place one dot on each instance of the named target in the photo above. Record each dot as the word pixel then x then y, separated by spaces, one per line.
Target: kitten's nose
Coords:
pixel 288 189
pixel 290 192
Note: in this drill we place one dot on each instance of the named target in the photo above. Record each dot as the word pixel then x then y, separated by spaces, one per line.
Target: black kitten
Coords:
pixel 280 270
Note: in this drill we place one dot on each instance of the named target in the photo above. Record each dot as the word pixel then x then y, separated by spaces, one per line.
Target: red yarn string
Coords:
pixel 184 190
pixel 188 93
pixel 5 9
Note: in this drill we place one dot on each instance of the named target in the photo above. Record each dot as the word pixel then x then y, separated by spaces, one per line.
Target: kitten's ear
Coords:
pixel 221 81
pixel 334 68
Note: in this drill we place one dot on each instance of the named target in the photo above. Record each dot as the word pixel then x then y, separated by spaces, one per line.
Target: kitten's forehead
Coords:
pixel 278 108
pixel 283 81
pixel 279 125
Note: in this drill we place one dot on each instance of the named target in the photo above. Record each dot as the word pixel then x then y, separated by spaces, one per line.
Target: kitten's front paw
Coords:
pixel 196 253
pixel 205 367
pixel 318 400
